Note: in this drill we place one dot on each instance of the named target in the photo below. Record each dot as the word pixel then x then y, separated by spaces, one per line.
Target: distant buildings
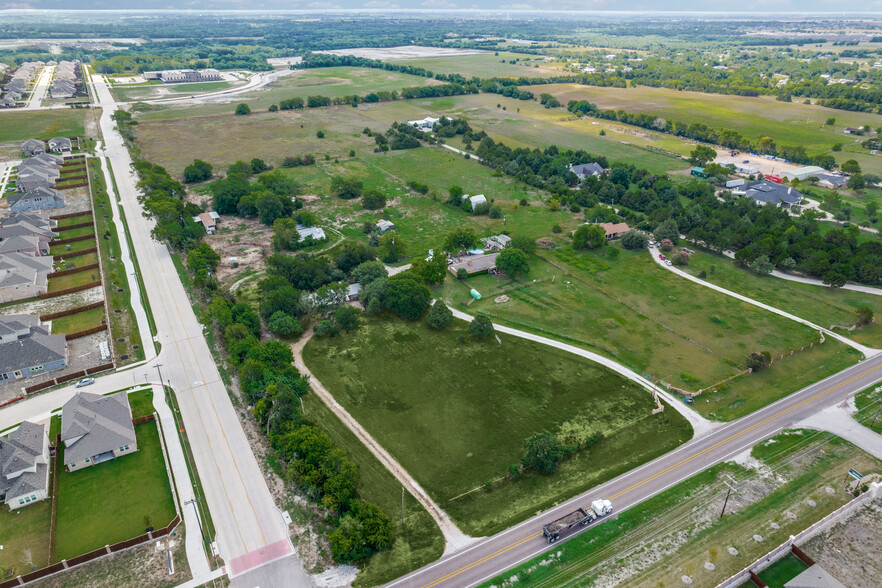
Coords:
pixel 474 264
pixel 208 220
pixel 424 124
pixel 65 84
pixel 765 192
pixel 584 170
pixel 316 233
pixel 177 76
pixel 384 225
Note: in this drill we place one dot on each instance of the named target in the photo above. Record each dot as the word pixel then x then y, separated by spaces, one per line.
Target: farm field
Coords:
pixel 418 542
pixel 819 304
pixel 495 396
pixel 225 138
pixel 21 126
pixel 487 65
pixel 754 117
pixel 662 327
pixel 786 484
pixel 140 497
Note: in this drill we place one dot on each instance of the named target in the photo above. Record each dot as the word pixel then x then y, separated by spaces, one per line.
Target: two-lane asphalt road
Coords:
pixel 524 541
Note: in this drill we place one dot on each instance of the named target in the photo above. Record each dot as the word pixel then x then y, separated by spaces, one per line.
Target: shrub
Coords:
pixel 462 274
pixel 680 258
pixel 634 240
pixel 320 134
pixel 373 200
pixel 347 317
pixel 326 328
pixel 481 327
pixel 544 453
pixel 556 228
pixel 439 316
pixel 494 212
pixel 243 108
pixel 273 107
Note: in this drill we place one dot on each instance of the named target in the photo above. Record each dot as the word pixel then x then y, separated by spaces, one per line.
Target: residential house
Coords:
pixel 424 124
pixel 385 226
pixel 24 466
pixel 62 89
pixel 765 191
pixel 8 101
pixel 95 429
pixel 23 276
pixel 475 200
pixel 33 147
pixel 41 198
pixel 316 233
pixel 503 240
pixel 27 348
pixel 851 130
pixel 474 264
pixel 34 223
pixel 60 145
pixel 26 244
pixel 208 220
pixel 614 230
pixel 354 292
pixel 832 181
pixel 584 170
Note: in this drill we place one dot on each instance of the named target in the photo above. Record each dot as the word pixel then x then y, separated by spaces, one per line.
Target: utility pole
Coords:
pixel 729 493
pixel 157 366
pixel 402 507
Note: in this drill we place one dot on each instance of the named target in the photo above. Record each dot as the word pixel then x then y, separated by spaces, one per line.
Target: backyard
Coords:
pixel 113 501
pixel 80 321
pixel 786 483
pixel 476 429
pixel 24 535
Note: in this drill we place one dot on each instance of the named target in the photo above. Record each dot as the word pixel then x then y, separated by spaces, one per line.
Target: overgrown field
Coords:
pixel 488 65
pixel 791 481
pixel 471 405
pixel 788 123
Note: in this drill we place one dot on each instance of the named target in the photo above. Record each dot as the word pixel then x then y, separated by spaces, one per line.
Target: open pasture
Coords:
pixel 493 396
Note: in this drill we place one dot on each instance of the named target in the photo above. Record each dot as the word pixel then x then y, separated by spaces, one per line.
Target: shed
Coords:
pixel 698 171
pixel 354 291
pixel 503 240
pixel 735 183
pixel 476 200
pixel 384 225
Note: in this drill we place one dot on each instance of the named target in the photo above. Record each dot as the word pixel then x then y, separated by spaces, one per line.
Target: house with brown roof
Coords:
pixel 615 230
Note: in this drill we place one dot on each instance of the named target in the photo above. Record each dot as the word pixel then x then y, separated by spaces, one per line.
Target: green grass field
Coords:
pixel 494 397
pixel 115 500
pixel 58 250
pixel 73 280
pixel 141 403
pixel 754 117
pixel 869 405
pixel 782 571
pixel 819 304
pixel 74 323
pixel 416 543
pixel 21 126
pixel 24 535
pixel 674 533
pixel 487 65
pixel 659 325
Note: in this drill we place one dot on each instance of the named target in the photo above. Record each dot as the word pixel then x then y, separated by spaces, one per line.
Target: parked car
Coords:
pixel 668 262
pixel 661 256
pixel 85 382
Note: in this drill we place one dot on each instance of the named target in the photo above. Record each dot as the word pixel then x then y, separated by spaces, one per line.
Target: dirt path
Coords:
pixel 454 538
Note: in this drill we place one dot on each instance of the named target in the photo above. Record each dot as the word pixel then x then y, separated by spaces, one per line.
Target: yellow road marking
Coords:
pixel 661 473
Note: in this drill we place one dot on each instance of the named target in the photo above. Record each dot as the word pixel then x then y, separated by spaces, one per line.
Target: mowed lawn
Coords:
pixel 21 126
pixel 24 535
pixel 73 280
pixel 788 123
pixel 115 500
pixel 80 321
pixel 456 411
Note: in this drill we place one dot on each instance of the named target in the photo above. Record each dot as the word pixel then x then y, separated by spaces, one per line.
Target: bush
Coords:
pixel 373 200
pixel 513 262
pixel 634 240
pixel 198 171
pixel 273 107
pixel 347 317
pixel 243 108
pixel 346 188
pixel 758 360
pixel 544 453
pixel 439 316
pixel 481 327
pixel 556 228
pixel 462 274
pixel 320 134
pixel 680 258
pixel 326 327
pixel 494 212
pixel 666 245
pixel 284 325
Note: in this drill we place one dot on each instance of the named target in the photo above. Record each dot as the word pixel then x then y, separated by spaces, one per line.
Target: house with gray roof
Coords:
pixel 584 170
pixel 27 348
pixel 95 429
pixel 23 276
pixel 8 101
pixel 24 466
pixel 316 233
pixel 766 192
pixel 27 244
pixel 832 181
pixel 33 147
pixel 40 198
pixel 60 145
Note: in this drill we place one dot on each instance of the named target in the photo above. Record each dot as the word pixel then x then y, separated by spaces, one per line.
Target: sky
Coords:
pixel 748 8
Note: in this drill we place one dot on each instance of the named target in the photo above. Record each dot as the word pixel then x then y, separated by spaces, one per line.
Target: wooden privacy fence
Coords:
pixel 76 226
pixel 70 254
pixel 63 379
pixel 92 555
pixel 70 215
pixel 86 333
pixel 74 270
pixel 70 290
pixel 55 315
pixel 71 240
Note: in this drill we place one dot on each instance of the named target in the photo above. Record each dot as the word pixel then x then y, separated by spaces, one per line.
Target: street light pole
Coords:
pixel 157 366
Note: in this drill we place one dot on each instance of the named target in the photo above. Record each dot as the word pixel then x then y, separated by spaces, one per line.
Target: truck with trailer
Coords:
pixel 599 508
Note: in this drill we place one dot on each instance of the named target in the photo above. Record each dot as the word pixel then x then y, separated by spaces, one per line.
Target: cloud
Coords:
pixel 517 7
pixel 17 6
pixel 323 6
pixel 438 4
pixel 381 4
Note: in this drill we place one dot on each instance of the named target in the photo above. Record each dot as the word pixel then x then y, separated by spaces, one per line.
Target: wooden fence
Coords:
pixel 70 254
pixel 70 215
pixel 71 240
pixel 63 379
pixel 55 315
pixel 74 270
pixel 72 186
pixel 76 226
pixel 86 333
pixel 54 499
pixel 70 290
pixel 92 555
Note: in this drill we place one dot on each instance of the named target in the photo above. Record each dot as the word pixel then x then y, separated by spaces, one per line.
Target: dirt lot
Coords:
pixel 403 52
pixel 850 549
pixel 243 238
pixel 141 566
pixel 57 304
pixel 82 353
pixel 766 166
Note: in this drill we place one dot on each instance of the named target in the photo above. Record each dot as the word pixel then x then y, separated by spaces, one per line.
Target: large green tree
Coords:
pixel 459 239
pixel 407 296
pixel 544 453
pixel 513 262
